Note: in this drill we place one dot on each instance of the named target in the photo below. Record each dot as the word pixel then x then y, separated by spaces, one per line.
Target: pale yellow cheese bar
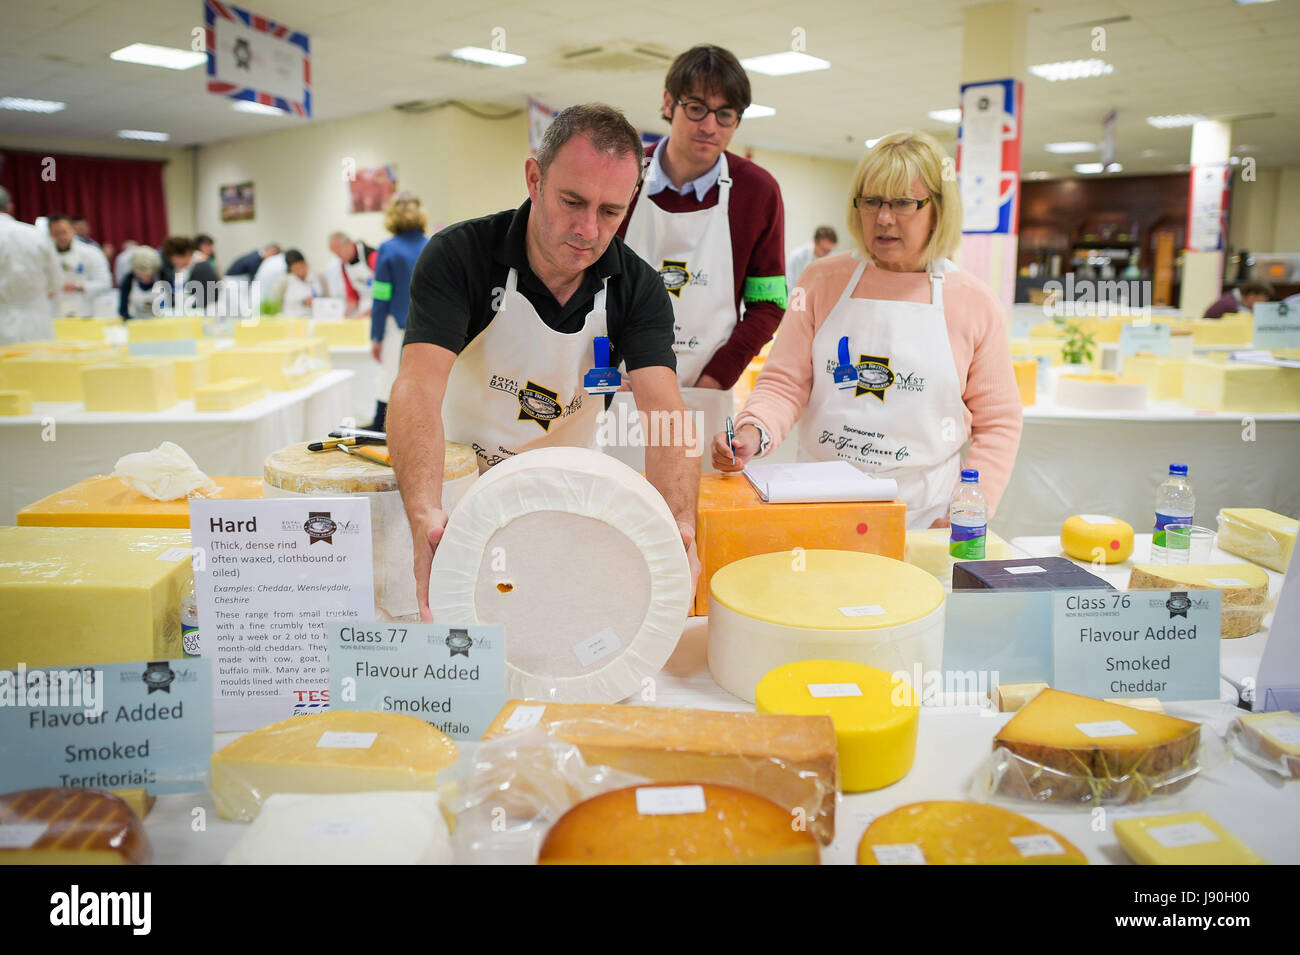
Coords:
pixel 1275 734
pixel 317 348
pixel 84 329
pixel 191 372
pixel 278 366
pixel 1163 376
pixel 141 384
pixel 228 394
pixel 51 377
pixel 15 401
pixel 343 332
pixel 254 331
pixel 1188 838
pixel 1260 536
pixel 164 329
pixel 1217 384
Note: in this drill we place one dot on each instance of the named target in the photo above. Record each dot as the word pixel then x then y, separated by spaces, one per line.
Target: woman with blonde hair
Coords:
pixel 891 360
pixel 406 219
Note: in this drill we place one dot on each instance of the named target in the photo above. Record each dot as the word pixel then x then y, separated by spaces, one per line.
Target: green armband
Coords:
pixel 770 288
pixel 383 291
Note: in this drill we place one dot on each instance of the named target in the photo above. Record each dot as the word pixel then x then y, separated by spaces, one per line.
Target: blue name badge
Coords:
pixel 602 379
pixel 451 677
pixel 845 375
pixel 108 726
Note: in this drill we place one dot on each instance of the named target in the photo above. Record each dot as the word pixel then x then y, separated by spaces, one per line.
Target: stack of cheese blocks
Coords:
pixel 1216 383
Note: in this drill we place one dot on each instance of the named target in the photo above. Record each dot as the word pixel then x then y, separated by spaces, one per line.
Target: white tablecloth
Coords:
pixel 364 384
pixel 60 443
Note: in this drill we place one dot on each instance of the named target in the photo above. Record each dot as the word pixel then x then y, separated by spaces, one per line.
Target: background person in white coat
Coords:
pixel 29 277
pixel 823 244
pixel 85 270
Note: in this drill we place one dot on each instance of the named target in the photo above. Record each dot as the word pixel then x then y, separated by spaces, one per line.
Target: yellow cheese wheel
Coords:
pixel 962 833
pixel 875 715
pixel 1084 535
pixel 1189 838
pixel 681 824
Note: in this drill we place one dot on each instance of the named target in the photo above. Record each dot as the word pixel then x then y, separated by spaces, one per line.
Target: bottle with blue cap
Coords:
pixel 1175 504
pixel 968 518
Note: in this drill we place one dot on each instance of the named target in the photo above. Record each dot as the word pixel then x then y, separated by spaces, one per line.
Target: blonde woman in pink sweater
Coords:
pixel 894 359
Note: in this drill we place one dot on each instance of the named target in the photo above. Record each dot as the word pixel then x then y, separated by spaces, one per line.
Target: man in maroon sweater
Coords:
pixel 712 223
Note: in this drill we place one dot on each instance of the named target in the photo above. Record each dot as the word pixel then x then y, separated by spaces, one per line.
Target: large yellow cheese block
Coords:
pixel 343 332
pixel 191 372
pixel 338 751
pixel 84 329
pixel 1244 589
pixel 1065 747
pixel 1217 384
pixel 1163 376
pixel 70 827
pixel 142 384
pixel 1102 391
pixel 14 401
pixel 253 331
pixel 876 715
pixel 790 759
pixel 678 824
pixel 773 609
pixel 51 377
pixel 82 595
pixel 279 366
pixel 164 329
pixel 1187 838
pixel 928 548
pixel 317 348
pixel 734 523
pixel 228 394
pixel 1260 536
pixel 1275 735
pixel 104 501
pixel 1089 536
pixel 962 833
pixel 1235 329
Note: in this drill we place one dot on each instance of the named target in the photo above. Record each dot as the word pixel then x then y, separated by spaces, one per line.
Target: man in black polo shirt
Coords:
pixel 503 325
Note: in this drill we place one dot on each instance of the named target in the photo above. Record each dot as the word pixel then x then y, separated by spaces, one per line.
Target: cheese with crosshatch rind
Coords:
pixel 962 833
pixel 734 523
pixel 790 759
pixel 1083 535
pixel 1216 383
pixel 1260 536
pixel 337 751
pixel 70 827
pixel 706 824
pixel 104 501
pixel 229 394
pixel 141 384
pixel 774 609
pixel 82 595
pixel 876 715
pixel 1188 838
pixel 15 401
pixel 1244 589
pixel 1075 748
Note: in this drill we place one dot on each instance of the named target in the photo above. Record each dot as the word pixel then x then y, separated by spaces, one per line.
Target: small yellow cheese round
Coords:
pixel 962 833
pixel 1085 535
pixel 875 715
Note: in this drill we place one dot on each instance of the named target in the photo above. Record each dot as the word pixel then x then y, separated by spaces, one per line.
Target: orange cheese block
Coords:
pixel 734 523
pixel 104 501
pixel 70 827
pixel 790 759
pixel 1076 748
pixel 1026 380
pixel 678 824
pixel 962 833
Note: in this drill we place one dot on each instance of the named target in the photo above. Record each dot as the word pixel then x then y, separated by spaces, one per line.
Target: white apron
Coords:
pixel 692 253
pixel 140 301
pixel 902 415
pixel 518 384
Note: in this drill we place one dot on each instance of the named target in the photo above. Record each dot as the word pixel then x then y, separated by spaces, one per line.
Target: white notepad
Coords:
pixel 818 482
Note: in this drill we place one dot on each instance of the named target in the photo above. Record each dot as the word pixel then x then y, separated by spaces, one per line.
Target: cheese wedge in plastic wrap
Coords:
pixel 1260 536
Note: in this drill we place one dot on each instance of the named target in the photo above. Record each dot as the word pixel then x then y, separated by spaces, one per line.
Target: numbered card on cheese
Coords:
pixel 451 677
pixel 270 575
pixel 144 725
pixel 1143 643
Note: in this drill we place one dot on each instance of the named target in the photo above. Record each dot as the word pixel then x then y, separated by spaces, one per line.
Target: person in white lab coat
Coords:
pixel 85 270
pixel 298 287
pixel 270 276
pixel 823 244
pixel 29 277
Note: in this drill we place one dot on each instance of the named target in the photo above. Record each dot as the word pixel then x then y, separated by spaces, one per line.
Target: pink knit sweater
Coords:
pixel 976 334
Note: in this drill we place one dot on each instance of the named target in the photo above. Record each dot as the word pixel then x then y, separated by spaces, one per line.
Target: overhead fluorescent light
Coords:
pixel 755 111
pixel 1071 70
pixel 143 134
pixel 1174 120
pixel 785 64
pixel 1039 174
pixel 165 56
pixel 1064 149
pixel 952 116
pixel 31 105
pixel 248 106
pixel 871 143
pixel 1088 168
pixel 477 54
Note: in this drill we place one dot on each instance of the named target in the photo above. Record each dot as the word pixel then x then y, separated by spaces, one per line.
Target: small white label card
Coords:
pixel 1105 730
pixel 902 853
pixel 331 739
pixel 596 648
pixel 828 690
pixel 869 610
pixel 524 718
pixel 670 800
pixel 1037 845
pixel 1182 835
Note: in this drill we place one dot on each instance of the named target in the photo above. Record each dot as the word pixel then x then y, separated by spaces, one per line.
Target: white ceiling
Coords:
pixel 891 63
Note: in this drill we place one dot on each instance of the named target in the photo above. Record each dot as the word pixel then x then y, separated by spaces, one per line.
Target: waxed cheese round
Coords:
pixel 962 833
pixel 773 609
pixel 876 715
pixel 1087 536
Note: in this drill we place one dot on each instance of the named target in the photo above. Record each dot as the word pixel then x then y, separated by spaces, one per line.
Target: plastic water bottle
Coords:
pixel 1175 504
pixel 968 518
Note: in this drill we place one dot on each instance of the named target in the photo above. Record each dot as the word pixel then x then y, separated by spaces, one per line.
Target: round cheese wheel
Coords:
pixel 579 559
pixel 876 715
pixel 294 471
pixel 678 823
pixel 1102 392
pixel 773 609
pixel 962 833
pixel 1083 536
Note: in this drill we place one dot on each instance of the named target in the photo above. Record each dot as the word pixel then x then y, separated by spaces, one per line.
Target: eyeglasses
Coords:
pixel 900 207
pixel 696 112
